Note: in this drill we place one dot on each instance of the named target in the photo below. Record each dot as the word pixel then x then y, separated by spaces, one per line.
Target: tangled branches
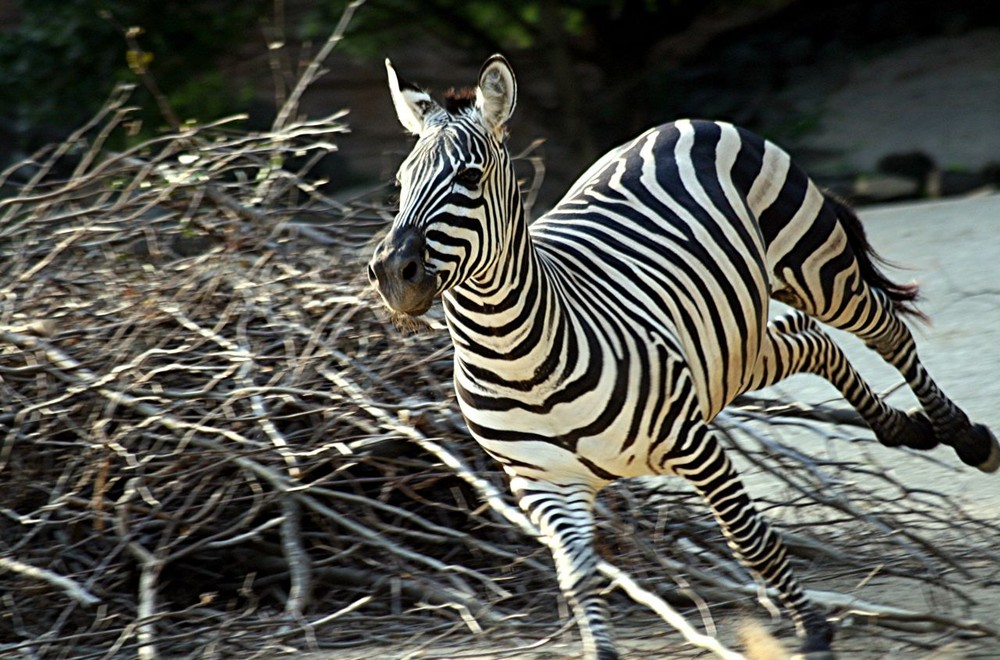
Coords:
pixel 214 443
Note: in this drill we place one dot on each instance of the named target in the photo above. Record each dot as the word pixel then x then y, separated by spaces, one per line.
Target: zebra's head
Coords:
pixel 456 190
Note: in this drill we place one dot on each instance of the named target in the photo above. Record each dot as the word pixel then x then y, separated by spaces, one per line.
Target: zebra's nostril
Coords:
pixel 409 271
pixel 371 274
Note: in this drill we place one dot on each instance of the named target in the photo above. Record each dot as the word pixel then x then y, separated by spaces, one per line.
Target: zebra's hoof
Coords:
pixel 992 461
pixel 977 446
pixel 912 429
pixel 816 645
pixel 919 432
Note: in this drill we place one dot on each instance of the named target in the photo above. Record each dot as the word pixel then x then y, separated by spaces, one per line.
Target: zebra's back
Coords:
pixel 689 221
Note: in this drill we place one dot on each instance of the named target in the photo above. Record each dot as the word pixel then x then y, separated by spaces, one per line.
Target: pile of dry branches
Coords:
pixel 214 442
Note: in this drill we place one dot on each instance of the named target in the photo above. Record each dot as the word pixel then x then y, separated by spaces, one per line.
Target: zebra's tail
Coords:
pixel 903 296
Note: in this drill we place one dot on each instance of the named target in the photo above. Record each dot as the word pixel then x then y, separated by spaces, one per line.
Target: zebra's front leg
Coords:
pixel 564 513
pixel 700 459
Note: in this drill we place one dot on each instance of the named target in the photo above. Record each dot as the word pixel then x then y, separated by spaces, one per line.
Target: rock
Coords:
pixel 916 165
pixel 948 183
pixel 884 187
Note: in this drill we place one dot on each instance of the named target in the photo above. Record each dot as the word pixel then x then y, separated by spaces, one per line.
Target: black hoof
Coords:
pixel 913 430
pixel 919 433
pixel 810 652
pixel 816 645
pixel 977 446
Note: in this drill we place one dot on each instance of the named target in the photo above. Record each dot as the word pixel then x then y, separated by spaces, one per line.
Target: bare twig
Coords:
pixel 72 589
pixel 313 70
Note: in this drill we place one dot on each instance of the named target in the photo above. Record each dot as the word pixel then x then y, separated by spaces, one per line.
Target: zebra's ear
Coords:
pixel 412 103
pixel 496 95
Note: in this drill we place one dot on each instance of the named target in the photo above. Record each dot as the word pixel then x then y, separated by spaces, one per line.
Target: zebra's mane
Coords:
pixel 456 100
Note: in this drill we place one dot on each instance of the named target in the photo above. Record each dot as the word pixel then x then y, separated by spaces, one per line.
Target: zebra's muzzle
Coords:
pixel 397 272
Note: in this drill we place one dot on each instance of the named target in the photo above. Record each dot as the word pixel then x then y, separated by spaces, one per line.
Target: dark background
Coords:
pixel 591 73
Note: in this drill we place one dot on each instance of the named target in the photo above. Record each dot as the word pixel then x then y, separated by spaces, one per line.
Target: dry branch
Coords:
pixel 72 589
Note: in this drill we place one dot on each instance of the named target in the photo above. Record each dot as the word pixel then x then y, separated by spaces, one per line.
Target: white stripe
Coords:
pixel 767 185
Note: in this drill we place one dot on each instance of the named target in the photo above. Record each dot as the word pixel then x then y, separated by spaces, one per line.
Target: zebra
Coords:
pixel 599 341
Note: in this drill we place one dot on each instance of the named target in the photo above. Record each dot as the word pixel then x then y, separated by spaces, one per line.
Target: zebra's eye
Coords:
pixel 468 177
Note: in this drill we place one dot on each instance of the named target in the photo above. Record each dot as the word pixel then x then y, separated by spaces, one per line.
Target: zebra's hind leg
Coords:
pixel 795 343
pixel 700 459
pixel 564 513
pixel 884 332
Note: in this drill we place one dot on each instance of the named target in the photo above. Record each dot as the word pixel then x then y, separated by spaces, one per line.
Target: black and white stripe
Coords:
pixel 599 342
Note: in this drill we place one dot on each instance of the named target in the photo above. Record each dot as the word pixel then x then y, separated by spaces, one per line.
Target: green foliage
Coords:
pixel 49 64
pixel 60 61
pixel 209 95
pixel 487 25
pixel 475 25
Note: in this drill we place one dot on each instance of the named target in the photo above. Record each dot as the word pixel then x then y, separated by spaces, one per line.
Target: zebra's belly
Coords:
pixel 617 399
pixel 598 436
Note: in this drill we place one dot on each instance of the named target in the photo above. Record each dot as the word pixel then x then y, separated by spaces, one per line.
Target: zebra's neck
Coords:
pixel 509 320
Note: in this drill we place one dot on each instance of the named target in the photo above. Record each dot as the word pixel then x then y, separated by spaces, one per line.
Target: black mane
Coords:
pixel 456 100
